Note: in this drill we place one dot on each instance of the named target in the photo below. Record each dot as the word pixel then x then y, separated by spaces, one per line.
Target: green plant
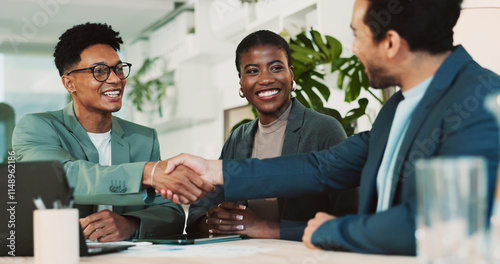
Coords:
pixel 144 88
pixel 311 53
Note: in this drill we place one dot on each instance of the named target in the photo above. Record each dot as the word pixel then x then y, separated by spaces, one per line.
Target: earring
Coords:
pixel 242 95
pixel 294 86
pixel 72 91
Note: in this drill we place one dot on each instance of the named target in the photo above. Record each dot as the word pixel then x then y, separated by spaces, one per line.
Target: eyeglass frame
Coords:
pixel 109 70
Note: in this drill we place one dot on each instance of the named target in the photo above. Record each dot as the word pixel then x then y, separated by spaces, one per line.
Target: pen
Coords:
pixel 39 203
pixel 57 204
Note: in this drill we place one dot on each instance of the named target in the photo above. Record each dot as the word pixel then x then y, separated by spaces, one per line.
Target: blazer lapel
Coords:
pixel 378 141
pixel 120 148
pixel 79 133
pixel 442 81
pixel 294 123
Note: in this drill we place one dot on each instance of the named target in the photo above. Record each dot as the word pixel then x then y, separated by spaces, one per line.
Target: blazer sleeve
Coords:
pixel 91 181
pixel 388 232
pixel 163 217
pixel 312 173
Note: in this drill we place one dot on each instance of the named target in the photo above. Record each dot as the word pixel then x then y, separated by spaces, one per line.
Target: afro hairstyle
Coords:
pixel 76 39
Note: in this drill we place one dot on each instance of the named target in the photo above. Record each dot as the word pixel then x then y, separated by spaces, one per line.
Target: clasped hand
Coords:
pixel 233 218
pixel 183 179
pixel 106 226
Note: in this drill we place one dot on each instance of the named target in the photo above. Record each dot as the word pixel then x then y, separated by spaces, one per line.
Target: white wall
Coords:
pixel 207 82
pixel 477 30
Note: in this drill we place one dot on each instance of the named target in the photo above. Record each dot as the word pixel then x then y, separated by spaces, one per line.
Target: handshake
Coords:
pixel 184 178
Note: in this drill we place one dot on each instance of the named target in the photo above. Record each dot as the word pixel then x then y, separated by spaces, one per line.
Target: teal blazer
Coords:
pixel 58 135
pixel 306 131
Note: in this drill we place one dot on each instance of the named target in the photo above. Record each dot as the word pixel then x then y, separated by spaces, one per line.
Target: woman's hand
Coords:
pixel 232 218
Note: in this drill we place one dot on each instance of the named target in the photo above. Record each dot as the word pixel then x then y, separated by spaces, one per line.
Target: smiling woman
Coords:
pixel 283 127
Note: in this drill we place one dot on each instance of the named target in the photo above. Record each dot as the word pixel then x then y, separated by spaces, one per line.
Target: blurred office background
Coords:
pixel 195 41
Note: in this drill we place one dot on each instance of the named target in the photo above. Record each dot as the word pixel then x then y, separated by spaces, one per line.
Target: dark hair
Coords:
pixel 427 25
pixel 261 38
pixel 78 38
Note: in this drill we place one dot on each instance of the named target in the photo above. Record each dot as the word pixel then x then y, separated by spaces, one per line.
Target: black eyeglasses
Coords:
pixel 101 71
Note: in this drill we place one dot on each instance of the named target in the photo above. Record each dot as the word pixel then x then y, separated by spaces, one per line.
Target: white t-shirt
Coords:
pixel 102 142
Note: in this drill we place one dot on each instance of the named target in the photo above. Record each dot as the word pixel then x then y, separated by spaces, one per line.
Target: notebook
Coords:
pixel 19 183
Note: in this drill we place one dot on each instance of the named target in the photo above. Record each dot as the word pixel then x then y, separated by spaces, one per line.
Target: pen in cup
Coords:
pixel 57 204
pixel 39 204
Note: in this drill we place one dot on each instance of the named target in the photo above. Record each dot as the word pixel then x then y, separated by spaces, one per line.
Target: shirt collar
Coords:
pixel 417 92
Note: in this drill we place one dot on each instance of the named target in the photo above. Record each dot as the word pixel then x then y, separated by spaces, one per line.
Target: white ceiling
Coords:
pixel 34 26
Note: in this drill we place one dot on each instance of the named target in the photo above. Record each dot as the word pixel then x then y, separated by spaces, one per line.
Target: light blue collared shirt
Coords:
pixel 402 119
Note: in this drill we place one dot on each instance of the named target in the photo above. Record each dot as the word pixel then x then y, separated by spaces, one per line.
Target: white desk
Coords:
pixel 272 251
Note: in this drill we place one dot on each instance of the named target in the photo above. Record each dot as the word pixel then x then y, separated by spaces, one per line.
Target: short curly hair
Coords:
pixel 76 39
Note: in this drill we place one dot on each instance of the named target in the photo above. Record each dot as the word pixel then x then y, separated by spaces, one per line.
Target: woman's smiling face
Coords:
pixel 266 80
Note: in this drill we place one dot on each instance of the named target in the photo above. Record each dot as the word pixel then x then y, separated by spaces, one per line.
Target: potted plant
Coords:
pixel 149 84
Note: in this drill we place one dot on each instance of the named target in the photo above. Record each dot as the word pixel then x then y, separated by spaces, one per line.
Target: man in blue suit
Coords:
pixel 438 112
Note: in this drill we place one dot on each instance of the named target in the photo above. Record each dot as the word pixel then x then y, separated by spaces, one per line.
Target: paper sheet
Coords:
pixel 219 251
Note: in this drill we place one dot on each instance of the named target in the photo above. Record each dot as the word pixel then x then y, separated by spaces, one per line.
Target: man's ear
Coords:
pixel 393 44
pixel 67 81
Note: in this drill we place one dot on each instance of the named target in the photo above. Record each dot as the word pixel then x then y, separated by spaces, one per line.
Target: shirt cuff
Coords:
pixel 148 195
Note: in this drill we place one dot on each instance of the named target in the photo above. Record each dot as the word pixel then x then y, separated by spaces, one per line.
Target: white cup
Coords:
pixel 56 236
pixel 451 210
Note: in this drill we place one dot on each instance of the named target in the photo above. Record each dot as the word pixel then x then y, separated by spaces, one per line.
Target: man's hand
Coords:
pixel 188 185
pixel 312 225
pixel 106 226
pixel 209 170
pixel 230 218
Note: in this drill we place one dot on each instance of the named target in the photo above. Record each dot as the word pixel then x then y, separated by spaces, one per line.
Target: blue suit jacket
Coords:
pixel 306 131
pixel 450 120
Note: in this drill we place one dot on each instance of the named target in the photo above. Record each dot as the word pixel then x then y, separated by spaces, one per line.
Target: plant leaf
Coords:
pixel 322 88
pixel 301 98
pixel 356 113
pixel 353 88
pixel 340 80
pixel 338 63
pixel 304 40
pixel 318 40
pixel 331 112
pixel 335 47
pixel 314 99
pixel 315 55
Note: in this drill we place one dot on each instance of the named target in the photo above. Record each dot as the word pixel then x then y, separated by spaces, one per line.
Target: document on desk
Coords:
pixel 120 243
pixel 190 251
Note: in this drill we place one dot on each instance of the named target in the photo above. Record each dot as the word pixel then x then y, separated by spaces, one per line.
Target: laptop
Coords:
pixel 19 184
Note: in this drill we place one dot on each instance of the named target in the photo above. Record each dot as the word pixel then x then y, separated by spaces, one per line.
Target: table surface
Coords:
pixel 243 251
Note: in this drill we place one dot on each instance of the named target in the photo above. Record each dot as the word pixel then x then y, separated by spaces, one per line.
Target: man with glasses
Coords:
pixel 107 160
